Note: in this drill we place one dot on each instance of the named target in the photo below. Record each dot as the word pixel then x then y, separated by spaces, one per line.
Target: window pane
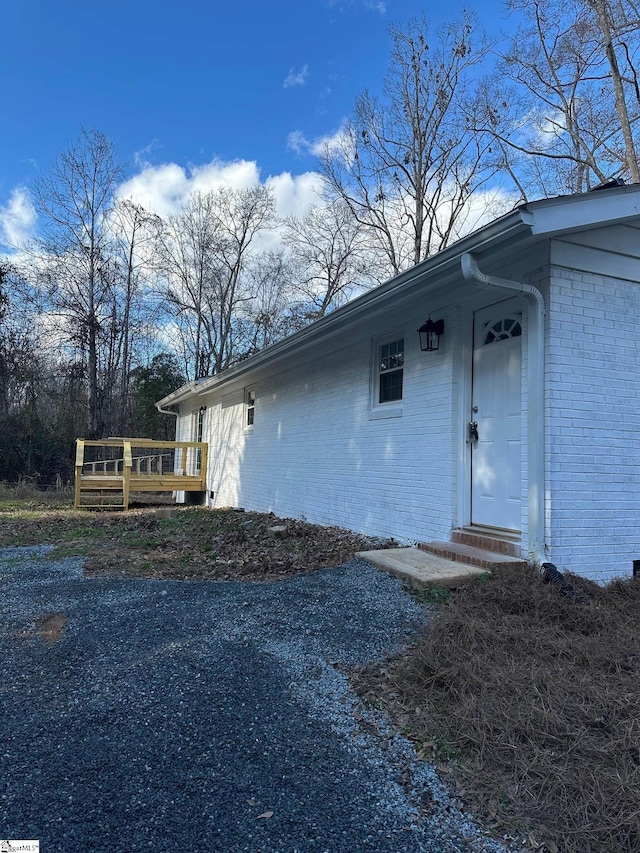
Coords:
pixel 250 404
pixel 391 362
pixel 501 330
pixel 392 355
pixel 391 386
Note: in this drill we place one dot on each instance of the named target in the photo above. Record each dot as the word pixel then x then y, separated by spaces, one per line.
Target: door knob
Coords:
pixel 473 430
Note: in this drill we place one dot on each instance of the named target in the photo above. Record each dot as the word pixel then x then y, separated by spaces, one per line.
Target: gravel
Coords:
pixel 209 716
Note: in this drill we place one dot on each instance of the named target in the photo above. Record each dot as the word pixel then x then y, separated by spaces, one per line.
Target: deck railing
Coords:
pixel 120 465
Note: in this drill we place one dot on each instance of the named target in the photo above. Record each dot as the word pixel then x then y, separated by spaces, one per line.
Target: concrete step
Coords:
pixel 420 568
pixel 471 556
pixel 488 540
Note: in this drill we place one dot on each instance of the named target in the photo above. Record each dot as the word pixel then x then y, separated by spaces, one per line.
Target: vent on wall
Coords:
pixel 636 568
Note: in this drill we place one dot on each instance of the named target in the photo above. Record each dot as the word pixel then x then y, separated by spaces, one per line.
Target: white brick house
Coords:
pixel 348 422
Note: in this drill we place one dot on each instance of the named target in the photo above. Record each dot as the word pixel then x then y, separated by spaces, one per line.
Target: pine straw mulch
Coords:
pixel 530 702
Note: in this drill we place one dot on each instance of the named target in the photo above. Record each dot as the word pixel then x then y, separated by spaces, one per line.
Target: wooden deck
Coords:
pixel 108 471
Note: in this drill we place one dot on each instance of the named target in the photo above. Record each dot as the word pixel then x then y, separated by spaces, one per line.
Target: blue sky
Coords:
pixel 193 84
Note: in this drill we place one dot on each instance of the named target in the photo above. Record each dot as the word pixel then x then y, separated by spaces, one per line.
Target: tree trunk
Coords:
pixel 601 10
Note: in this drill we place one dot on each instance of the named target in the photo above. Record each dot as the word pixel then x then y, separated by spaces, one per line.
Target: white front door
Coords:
pixel 496 464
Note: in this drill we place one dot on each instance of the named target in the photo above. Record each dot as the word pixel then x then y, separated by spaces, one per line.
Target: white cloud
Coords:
pixel 296 78
pixel 482 207
pixel 298 142
pixel 165 189
pixel 294 194
pixel 374 5
pixel 140 157
pixel 337 141
pixel 541 130
pixel 17 219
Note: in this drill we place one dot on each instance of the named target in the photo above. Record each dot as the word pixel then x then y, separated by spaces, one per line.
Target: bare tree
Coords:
pixel 619 22
pixel 134 236
pixel 186 260
pixel 269 314
pixel 17 343
pixel 75 199
pixel 408 162
pixel 333 257
pixel 205 252
pixel 568 119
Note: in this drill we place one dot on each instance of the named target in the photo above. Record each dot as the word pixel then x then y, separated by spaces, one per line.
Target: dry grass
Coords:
pixel 535 701
pixel 25 494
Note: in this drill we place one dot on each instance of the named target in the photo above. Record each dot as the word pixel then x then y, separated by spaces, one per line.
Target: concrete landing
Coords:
pixel 420 568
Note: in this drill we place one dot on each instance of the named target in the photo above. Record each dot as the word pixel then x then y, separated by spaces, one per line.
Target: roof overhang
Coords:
pixel 513 233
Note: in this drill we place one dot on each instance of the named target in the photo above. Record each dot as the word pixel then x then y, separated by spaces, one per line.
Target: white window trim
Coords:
pixel 198 434
pixel 392 408
pixel 198 423
pixel 249 393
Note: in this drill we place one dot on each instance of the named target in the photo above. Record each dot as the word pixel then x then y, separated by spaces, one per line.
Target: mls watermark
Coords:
pixel 19 846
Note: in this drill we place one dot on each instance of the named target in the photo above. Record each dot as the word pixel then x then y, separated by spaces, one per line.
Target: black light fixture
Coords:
pixel 430 334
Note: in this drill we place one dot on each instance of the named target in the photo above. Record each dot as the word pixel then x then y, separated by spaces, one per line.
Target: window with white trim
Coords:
pixel 390 371
pixel 249 406
pixel 200 423
pixel 198 432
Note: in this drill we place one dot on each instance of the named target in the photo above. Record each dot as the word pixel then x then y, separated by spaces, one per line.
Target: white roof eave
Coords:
pixel 528 223
pixel 515 225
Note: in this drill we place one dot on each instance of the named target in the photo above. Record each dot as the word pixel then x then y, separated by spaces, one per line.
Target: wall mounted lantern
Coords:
pixel 430 334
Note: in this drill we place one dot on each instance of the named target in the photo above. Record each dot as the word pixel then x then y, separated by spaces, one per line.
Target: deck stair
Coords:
pixel 485 548
pixel 108 498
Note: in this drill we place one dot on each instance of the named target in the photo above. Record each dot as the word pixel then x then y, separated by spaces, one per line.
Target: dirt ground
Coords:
pixel 195 544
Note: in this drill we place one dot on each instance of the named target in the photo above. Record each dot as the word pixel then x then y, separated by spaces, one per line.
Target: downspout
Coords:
pixel 168 412
pixel 535 393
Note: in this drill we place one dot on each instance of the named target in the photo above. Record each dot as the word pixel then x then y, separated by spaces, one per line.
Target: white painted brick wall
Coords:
pixel 314 452
pixel 593 388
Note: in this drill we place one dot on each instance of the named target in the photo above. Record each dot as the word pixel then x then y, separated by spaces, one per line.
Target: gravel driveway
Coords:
pixel 195 716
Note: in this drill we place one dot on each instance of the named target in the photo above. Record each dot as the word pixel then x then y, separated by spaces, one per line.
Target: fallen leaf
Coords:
pixel 265 815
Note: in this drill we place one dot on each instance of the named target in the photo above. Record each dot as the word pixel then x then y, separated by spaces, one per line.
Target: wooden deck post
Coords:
pixel 126 475
pixel 79 461
pixel 203 466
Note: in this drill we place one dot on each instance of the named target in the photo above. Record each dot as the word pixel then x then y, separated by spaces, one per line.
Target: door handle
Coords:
pixel 473 430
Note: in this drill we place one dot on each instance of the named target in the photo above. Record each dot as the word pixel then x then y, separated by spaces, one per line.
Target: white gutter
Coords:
pixel 535 403
pixel 507 227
